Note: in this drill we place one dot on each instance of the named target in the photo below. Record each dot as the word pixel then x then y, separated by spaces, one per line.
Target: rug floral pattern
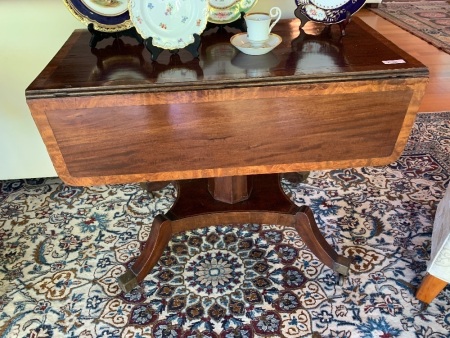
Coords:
pixel 429 20
pixel 62 248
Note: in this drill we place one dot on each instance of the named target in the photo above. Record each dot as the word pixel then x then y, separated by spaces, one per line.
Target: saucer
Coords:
pixel 240 41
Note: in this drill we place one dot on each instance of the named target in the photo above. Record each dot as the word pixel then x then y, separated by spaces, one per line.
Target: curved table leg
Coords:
pixel 206 211
pixel 307 228
pixel 159 237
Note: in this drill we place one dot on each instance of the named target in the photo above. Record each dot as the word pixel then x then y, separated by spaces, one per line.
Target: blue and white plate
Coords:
pixel 105 15
pixel 329 11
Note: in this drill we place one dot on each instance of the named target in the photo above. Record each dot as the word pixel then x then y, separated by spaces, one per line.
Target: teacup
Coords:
pixel 259 26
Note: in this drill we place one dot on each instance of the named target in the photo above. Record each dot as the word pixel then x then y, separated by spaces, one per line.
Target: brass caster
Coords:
pixel 340 279
pixel 127 281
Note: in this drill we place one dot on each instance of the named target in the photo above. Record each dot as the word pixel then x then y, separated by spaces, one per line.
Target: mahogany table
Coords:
pixel 225 125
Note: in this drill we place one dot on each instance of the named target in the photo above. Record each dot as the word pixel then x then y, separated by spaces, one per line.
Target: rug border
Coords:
pixel 427 38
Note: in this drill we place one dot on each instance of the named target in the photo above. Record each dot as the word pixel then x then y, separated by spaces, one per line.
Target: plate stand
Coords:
pixel 155 51
pixel 98 36
pixel 304 19
pixel 238 24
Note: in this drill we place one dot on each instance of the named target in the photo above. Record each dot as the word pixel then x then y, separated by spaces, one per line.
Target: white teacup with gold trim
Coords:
pixel 259 25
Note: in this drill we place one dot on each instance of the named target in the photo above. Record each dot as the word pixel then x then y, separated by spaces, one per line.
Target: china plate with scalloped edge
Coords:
pixel 105 15
pixel 226 11
pixel 329 11
pixel 172 23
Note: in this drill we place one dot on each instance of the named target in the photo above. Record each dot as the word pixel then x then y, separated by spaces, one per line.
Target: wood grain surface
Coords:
pixel 111 115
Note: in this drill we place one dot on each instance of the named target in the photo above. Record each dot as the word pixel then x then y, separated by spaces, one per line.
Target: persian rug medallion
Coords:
pixel 62 249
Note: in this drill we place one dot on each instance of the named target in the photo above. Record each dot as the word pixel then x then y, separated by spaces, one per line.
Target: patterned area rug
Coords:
pixel 429 20
pixel 62 248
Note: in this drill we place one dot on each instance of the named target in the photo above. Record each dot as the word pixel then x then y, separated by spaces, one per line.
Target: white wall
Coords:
pixel 31 32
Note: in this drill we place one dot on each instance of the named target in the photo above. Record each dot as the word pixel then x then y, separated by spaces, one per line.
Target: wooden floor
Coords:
pixel 437 96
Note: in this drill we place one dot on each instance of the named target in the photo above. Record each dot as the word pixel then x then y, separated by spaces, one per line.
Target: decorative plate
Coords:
pixel 170 23
pixel 226 11
pixel 329 11
pixel 105 15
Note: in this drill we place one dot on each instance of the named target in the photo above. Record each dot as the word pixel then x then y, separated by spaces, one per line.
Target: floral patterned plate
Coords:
pixel 171 23
pixel 105 15
pixel 329 11
pixel 226 11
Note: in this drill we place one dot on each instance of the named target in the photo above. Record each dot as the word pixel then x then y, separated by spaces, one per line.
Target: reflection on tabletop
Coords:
pixel 317 48
pixel 314 48
pixel 256 65
pixel 216 53
pixel 117 62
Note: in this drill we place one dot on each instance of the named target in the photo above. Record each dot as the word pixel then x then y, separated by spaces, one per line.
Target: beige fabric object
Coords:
pixel 439 264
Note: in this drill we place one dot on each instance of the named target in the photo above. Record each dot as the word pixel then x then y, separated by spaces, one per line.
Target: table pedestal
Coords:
pixel 231 200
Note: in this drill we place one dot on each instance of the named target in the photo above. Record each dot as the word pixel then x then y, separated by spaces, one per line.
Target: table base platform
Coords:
pixel 231 200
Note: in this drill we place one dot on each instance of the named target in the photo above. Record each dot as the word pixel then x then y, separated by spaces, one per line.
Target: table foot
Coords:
pixel 308 230
pixel 128 281
pixel 157 241
pixel 206 211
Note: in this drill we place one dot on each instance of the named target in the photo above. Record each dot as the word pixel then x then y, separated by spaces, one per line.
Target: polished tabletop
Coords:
pixel 303 56
pixel 319 100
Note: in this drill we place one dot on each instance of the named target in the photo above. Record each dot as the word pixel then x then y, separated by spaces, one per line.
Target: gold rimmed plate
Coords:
pixel 329 11
pixel 171 24
pixel 227 11
pixel 105 15
pixel 241 42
